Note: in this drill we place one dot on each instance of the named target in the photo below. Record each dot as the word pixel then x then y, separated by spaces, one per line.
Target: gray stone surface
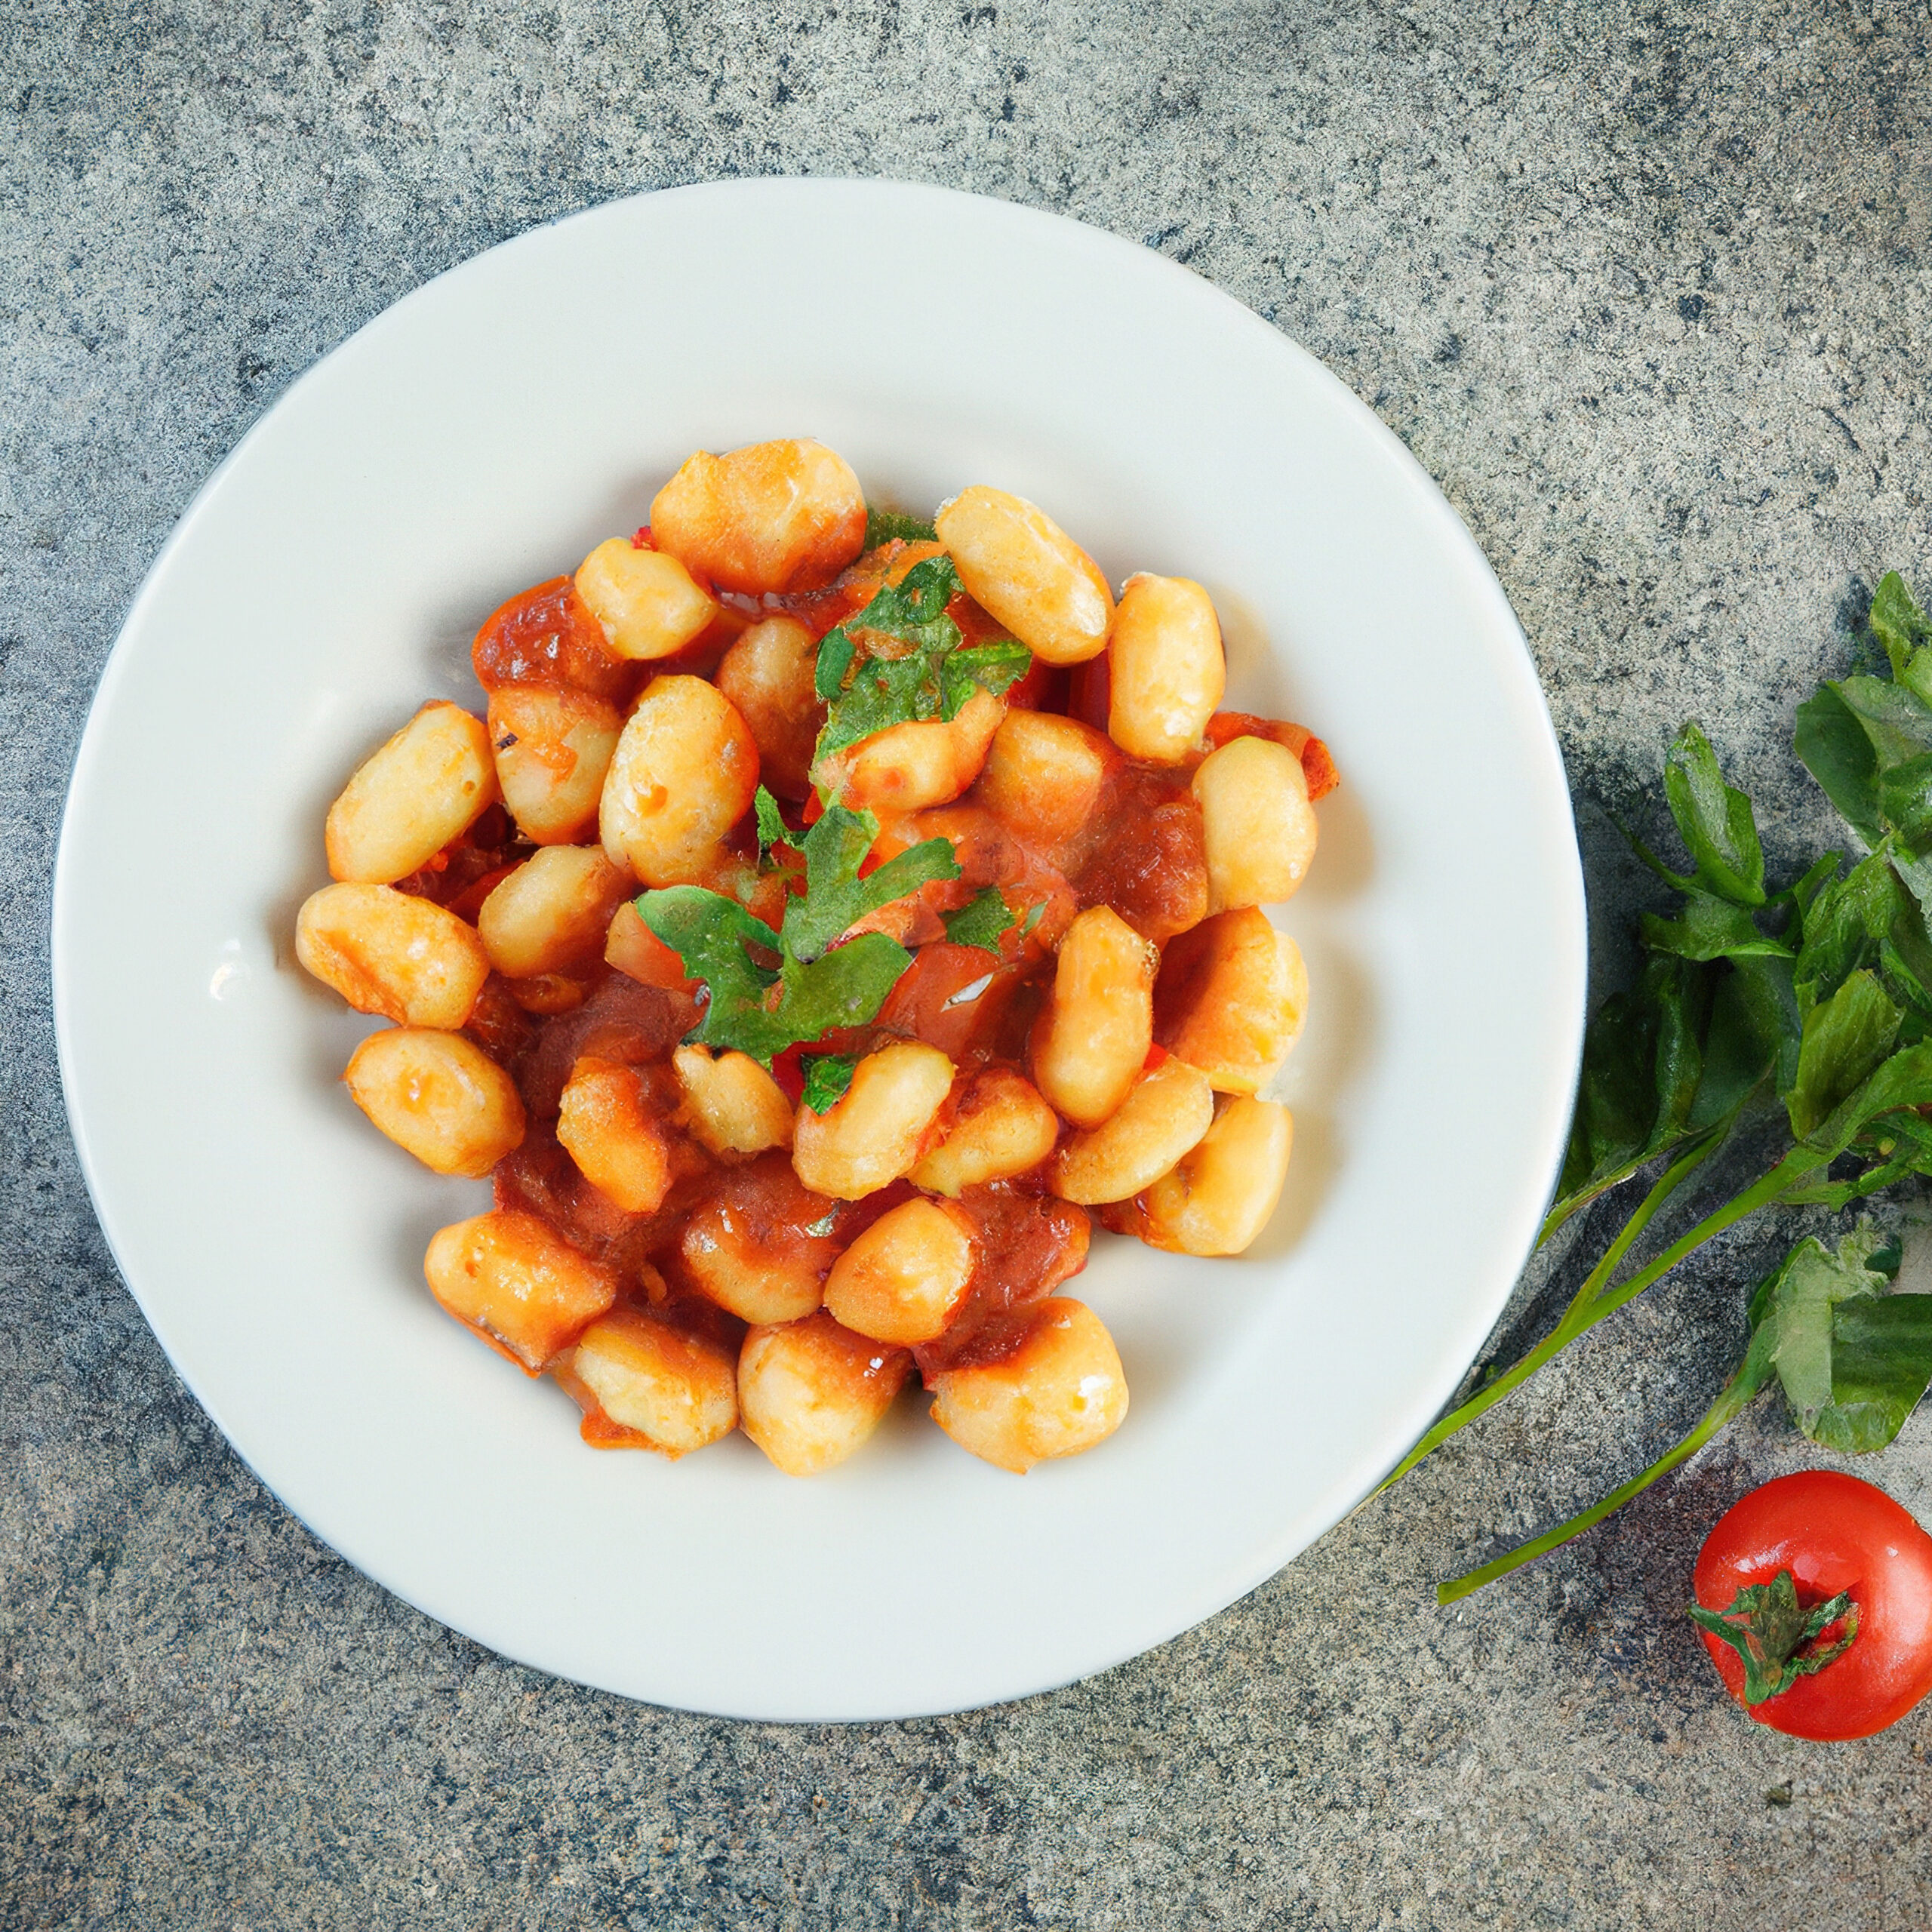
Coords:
pixel 1646 289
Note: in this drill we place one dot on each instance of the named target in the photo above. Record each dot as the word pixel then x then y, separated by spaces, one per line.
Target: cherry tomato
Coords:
pixel 1833 1534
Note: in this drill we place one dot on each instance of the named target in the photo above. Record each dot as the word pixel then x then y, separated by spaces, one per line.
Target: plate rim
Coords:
pixel 1570 944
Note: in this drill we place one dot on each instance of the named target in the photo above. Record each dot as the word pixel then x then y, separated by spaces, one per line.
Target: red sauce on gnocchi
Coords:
pixel 830 917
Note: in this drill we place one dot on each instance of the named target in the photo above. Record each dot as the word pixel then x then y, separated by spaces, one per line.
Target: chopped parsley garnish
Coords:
pixel 981 921
pixel 766 990
pixel 902 658
pixel 889 527
pixel 827 1076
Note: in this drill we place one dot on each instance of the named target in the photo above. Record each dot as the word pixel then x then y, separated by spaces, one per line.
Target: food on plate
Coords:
pixel 827 917
pixel 1813 1597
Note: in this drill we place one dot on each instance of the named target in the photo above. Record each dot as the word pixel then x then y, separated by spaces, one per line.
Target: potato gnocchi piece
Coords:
pixel 1020 565
pixel 878 1130
pixel 1091 1039
pixel 552 747
pixel 1059 1389
pixel 1219 1195
pixel 776 516
pixel 902 1279
pixel 762 1245
pixel 645 600
pixel 522 1288
pixel 388 953
pixel 607 1127
pixel 682 775
pixel 1168 669
pixel 1258 825
pixel 1000 1127
pixel 428 785
pixel 1231 999
pixel 552 912
pixel 439 1097
pixel 1044 775
pixel 732 1105
pixel 644 1385
pixel 1166 1112
pixel 770 673
pixel 811 1393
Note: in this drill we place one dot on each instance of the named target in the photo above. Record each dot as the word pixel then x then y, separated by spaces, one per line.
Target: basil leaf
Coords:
pixel 1853 1359
pixel 1754 1032
pixel 1802 894
pixel 1896 720
pixel 1836 751
pixel 1845 1038
pixel 1642 1062
pixel 889 527
pixel 981 921
pixel 827 1076
pixel 1882 1363
pixel 1845 926
pixel 1905 798
pixel 1714 819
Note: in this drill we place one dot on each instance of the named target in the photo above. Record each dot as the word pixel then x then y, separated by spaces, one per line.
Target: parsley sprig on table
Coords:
pixel 1809 1006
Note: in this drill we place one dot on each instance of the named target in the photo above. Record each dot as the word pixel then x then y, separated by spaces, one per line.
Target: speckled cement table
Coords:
pixel 1645 287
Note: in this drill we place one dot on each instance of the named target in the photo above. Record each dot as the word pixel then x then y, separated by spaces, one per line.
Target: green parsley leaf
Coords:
pixel 827 1076
pixel 772 829
pixel 766 990
pixel 889 527
pixel 981 921
pixel 901 659
pixel 835 898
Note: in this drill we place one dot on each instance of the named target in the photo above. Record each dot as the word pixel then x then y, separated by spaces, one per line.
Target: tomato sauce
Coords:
pixel 1140 851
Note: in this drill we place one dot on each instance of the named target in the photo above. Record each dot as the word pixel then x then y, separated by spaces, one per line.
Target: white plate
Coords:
pixel 481 436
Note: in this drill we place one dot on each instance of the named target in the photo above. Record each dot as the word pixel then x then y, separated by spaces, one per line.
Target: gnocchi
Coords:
pixel 807 1012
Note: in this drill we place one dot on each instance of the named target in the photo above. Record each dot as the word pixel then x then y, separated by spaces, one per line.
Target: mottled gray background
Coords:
pixel 1645 287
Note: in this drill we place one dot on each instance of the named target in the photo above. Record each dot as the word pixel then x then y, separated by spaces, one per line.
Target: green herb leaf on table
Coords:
pixel 1714 821
pixel 766 991
pixel 1820 993
pixel 1834 748
pixel 1901 627
pixel 1845 1039
pixel 983 921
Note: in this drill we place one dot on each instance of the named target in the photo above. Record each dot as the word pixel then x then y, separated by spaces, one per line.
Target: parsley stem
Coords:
pixel 1672 1178
pixel 1752 1375
pixel 1800 1161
